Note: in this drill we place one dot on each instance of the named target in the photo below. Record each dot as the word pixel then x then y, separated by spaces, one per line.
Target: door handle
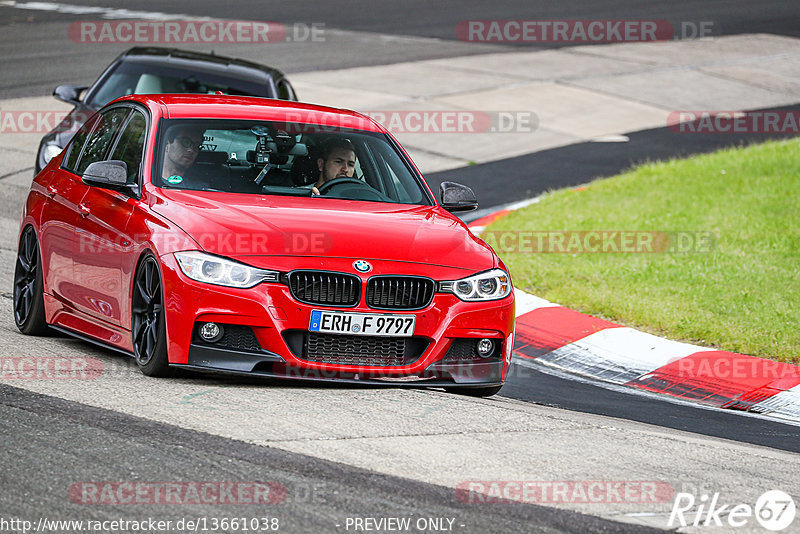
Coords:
pixel 84 209
pixel 51 191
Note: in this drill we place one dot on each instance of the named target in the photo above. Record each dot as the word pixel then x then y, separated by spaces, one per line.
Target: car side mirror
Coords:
pixel 111 174
pixel 457 197
pixel 68 93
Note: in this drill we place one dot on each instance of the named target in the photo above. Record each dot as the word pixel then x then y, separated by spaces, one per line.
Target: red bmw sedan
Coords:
pixel 261 237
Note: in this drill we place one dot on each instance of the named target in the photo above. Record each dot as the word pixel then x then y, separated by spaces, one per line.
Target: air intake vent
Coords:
pixel 355 350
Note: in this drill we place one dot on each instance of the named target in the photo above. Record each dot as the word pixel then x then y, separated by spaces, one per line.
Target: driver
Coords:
pixel 338 160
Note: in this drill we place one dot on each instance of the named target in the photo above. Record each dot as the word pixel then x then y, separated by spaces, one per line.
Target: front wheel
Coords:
pixel 475 392
pixel 28 287
pixel 149 325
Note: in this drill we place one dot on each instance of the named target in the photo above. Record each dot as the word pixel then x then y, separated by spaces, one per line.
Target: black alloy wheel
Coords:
pixel 149 327
pixel 28 292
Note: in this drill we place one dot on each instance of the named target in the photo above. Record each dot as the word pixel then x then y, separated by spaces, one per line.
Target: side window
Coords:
pixel 285 91
pixel 401 178
pixel 130 146
pixel 402 194
pixel 98 143
pixel 77 143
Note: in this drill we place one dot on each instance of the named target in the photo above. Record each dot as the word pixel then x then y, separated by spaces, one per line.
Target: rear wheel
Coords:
pixel 28 287
pixel 475 392
pixel 149 326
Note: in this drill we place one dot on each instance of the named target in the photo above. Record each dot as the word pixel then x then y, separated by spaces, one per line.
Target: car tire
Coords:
pixel 28 287
pixel 148 324
pixel 475 392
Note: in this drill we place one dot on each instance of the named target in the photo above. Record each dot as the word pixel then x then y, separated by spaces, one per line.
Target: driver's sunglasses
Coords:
pixel 187 143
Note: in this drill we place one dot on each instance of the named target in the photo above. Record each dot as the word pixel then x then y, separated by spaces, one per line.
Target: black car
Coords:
pixel 160 70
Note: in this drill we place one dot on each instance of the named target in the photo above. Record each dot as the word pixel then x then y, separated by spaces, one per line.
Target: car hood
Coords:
pixel 241 226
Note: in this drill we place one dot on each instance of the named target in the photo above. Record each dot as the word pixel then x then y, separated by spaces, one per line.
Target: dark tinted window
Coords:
pixel 131 145
pixel 96 147
pixel 77 145
pixel 282 158
pixel 131 77
pixel 285 91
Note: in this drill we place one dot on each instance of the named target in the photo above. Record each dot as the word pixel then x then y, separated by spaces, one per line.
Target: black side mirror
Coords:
pixel 68 93
pixel 457 197
pixel 112 174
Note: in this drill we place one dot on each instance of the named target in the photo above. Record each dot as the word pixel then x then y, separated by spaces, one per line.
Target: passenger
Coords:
pixel 338 160
pixel 180 152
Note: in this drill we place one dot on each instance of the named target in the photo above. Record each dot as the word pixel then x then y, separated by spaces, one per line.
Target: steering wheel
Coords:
pixel 352 189
pixel 338 181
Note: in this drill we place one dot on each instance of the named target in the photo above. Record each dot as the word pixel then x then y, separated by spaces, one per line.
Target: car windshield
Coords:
pixel 130 77
pixel 290 159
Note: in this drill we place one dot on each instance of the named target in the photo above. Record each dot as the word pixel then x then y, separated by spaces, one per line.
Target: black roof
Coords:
pixel 175 56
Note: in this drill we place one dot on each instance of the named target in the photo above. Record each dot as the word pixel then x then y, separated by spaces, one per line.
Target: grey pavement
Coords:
pixel 578 94
pixel 422 435
pixel 430 436
pixel 304 494
pixel 575 94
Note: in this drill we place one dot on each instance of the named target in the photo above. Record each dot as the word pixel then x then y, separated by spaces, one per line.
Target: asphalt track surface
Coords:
pixel 51 442
pixel 439 19
pixel 523 177
pixel 551 390
pixel 506 181
pixel 75 442
pixel 422 30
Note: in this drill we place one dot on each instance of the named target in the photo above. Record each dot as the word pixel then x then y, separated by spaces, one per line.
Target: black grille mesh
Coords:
pixel 234 337
pixel 326 288
pixel 355 350
pixel 466 349
pixel 399 292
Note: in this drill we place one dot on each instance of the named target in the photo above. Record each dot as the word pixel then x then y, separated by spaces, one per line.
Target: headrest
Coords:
pixel 148 84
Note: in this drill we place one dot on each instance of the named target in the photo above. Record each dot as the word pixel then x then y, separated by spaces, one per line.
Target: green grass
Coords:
pixel 742 294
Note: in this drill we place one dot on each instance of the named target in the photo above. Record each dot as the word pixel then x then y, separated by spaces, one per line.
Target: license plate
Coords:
pixel 330 322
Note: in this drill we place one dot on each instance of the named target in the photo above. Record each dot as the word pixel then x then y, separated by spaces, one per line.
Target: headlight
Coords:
pixel 491 285
pixel 51 151
pixel 222 272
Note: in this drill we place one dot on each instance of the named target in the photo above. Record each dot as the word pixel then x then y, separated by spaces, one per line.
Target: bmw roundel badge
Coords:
pixel 362 266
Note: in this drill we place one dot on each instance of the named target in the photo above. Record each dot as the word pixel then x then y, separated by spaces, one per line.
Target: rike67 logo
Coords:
pixel 774 510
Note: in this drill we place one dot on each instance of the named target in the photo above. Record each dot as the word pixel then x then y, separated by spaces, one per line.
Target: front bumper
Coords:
pixel 277 319
pixel 439 374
